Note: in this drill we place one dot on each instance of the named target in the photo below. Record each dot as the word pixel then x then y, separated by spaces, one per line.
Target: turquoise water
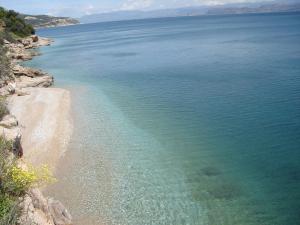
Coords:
pixel 181 120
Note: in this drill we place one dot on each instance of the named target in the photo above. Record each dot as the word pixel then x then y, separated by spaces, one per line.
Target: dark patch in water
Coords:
pixel 121 54
pixel 210 171
pixel 225 191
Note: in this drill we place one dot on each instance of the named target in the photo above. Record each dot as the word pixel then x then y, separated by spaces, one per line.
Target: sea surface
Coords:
pixel 180 121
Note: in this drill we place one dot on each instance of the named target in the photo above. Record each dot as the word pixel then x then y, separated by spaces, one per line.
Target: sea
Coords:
pixel 180 121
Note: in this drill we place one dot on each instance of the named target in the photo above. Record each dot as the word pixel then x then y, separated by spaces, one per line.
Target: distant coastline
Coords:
pixel 44 21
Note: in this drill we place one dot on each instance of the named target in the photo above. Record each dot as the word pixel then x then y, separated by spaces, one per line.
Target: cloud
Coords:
pixel 224 2
pixel 73 11
pixel 136 4
pixel 89 9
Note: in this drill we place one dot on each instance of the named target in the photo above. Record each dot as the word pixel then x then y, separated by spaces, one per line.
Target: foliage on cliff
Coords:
pixel 5 66
pixel 15 181
pixel 13 23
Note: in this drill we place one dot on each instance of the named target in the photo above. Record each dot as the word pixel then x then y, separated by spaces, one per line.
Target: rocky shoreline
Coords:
pixel 36 209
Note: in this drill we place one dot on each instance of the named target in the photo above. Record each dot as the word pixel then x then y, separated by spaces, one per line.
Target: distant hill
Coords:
pixel 39 21
pixel 242 8
pixel 269 8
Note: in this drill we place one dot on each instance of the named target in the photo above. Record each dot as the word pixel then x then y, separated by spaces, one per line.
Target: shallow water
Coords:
pixel 181 120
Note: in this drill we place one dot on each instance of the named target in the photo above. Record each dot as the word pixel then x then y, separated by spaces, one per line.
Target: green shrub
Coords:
pixel 9 209
pixel 15 24
pixel 6 204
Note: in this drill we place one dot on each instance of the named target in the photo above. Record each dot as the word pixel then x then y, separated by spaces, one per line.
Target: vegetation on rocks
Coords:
pixel 3 108
pixel 5 66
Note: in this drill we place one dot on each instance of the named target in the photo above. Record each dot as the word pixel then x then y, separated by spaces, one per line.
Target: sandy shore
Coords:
pixel 46 125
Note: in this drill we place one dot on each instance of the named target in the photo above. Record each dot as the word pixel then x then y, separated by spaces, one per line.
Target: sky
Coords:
pixel 78 8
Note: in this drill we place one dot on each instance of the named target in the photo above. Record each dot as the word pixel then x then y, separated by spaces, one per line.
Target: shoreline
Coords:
pixel 40 118
pixel 43 112
pixel 46 126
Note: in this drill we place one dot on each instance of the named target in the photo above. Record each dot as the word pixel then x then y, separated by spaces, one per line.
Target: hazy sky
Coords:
pixel 77 8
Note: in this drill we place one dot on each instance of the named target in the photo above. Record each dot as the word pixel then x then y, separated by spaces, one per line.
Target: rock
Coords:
pixel 39 201
pixel 38 210
pixel 59 213
pixel 4 91
pixel 43 42
pixel 9 121
pixel 26 42
pixel 35 38
pixel 41 81
pixel 11 87
pixel 10 134
pixel 6 42
pixel 20 92
pixel 19 70
pixel 32 215
pixel 8 89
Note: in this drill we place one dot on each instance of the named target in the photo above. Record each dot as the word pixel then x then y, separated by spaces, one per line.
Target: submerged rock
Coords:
pixel 210 171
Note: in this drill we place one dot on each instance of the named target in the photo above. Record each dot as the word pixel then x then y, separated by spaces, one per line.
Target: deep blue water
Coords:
pixel 181 120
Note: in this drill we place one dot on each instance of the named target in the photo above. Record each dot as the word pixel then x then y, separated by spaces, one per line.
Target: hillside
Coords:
pixel 39 21
pixel 241 8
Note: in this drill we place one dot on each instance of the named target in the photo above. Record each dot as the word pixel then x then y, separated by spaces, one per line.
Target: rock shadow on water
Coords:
pixel 225 191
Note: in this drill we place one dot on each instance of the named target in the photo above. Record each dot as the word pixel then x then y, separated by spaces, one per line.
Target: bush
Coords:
pixel 15 24
pixel 16 180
